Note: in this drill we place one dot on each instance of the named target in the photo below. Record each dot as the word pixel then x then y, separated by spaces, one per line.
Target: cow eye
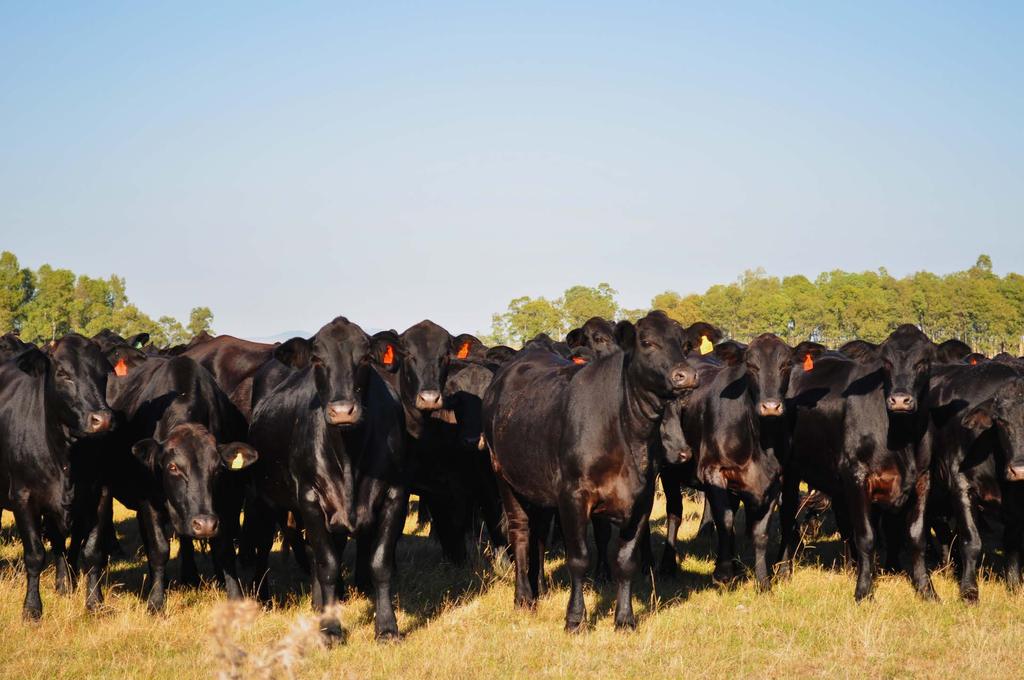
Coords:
pixel 647 344
pixel 172 468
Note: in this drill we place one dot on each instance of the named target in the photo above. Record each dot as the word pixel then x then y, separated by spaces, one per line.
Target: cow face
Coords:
pixel 186 465
pixel 340 356
pixel 463 396
pixel 76 374
pixel 656 355
pixel 425 350
pixel 1004 412
pixel 598 335
pixel 906 357
pixel 769 363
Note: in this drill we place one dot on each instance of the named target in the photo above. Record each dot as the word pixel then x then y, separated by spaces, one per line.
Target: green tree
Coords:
pixel 199 320
pixel 15 291
pixel 580 303
pixel 527 317
pixel 48 314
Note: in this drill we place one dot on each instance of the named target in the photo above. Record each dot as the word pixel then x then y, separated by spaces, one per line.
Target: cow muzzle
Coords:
pixel 345 412
pixel 683 378
pixel 204 526
pixel 428 400
pixel 770 408
pixel 98 422
pixel 901 402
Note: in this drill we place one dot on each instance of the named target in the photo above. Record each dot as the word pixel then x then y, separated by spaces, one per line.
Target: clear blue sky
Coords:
pixel 390 162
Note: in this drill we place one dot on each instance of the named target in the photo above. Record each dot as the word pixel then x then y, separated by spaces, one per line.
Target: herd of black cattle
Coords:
pixel 324 439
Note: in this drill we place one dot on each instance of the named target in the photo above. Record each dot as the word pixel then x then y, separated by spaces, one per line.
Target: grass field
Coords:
pixel 459 623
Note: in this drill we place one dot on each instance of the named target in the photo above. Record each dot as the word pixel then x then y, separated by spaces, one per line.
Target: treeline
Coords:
pixel 48 303
pixel 974 305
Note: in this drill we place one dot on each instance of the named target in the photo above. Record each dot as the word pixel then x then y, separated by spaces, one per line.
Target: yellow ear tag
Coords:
pixel 238 462
pixel 706 346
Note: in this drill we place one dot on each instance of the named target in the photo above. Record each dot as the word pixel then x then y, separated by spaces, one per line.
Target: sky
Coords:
pixel 285 163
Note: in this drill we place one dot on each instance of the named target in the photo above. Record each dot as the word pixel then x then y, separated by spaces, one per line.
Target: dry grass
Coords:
pixel 459 623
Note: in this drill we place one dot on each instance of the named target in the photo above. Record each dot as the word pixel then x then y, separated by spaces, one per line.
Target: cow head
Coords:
pixel 597 335
pixel 463 396
pixel 339 354
pixel 1004 412
pixel 421 356
pixel 769 363
pixel 906 357
pixel 656 355
pixel 76 373
pixel 186 465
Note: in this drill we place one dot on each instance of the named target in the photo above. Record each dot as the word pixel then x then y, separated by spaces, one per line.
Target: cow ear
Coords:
pixel 978 418
pixel 237 456
pixel 730 353
pixel 139 340
pixel 146 451
pixel 33 361
pixel 124 358
pixel 460 347
pixel 572 338
pixel 386 350
pixel 295 352
pixel 625 335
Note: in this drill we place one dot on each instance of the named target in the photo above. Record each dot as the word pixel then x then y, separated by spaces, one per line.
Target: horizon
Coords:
pixel 283 167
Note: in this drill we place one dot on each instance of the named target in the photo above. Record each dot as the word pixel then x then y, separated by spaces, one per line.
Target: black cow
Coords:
pixel 858 436
pixel 977 443
pixel 173 460
pixel 734 421
pixel 951 351
pixel 307 430
pixel 578 438
pixel 499 355
pixel 107 340
pixel 47 400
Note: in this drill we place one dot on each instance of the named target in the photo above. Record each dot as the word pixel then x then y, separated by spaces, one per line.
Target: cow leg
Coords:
pixel 30 531
pixel 257 539
pixel 326 565
pixel 490 506
pixel 758 518
pixel 187 562
pixel 540 527
pixel 519 538
pixel 790 532
pixel 573 511
pixel 64 578
pixel 707 517
pixel 893 529
pixel 970 540
pixel 631 538
pixel 602 537
pixel 674 519
pixel 158 550
pixel 225 560
pixel 89 532
pixel 864 539
pixel 382 562
pixel 724 515
pixel 917 535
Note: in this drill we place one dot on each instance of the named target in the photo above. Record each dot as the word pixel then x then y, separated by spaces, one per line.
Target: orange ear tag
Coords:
pixel 463 351
pixel 389 356
pixel 974 362
pixel 121 368
pixel 808 363
pixel 579 360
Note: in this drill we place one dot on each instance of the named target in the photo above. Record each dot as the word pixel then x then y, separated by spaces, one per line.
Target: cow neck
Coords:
pixel 641 409
pixel 58 435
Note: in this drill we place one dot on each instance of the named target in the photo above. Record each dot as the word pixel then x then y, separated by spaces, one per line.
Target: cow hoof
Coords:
pixel 969 595
pixel 155 608
pixel 32 614
pixel 927 593
pixel 785 572
pixel 763 585
pixel 391 635
pixel 332 633
pixel 626 623
pixel 526 603
pixel 575 627
pixel 863 595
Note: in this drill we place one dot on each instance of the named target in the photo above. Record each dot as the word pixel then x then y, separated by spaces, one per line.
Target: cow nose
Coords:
pixel 204 526
pixel 343 412
pixel 428 400
pixel 1015 473
pixel 98 421
pixel 683 378
pixel 771 407
pixel 901 402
